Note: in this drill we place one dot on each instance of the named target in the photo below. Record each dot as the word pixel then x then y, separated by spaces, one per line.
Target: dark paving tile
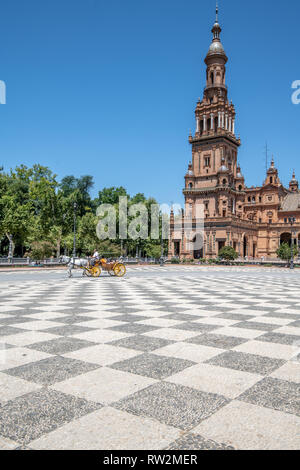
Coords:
pixel 217 341
pixel 9 330
pixel 276 394
pixel 185 317
pixel 259 308
pixel 68 330
pixel 291 316
pixel 76 310
pixel 121 310
pixel 174 405
pixel 246 362
pixel 31 305
pixel 22 313
pixel 134 328
pixel 61 345
pixel 77 304
pixel 168 309
pixel 278 338
pixel 141 343
pixel 216 308
pixel 51 370
pixel 130 318
pixel 13 320
pixel 251 325
pixel 72 319
pixel 29 417
pixel 196 442
pixel 235 316
pixel 192 326
pixel 150 365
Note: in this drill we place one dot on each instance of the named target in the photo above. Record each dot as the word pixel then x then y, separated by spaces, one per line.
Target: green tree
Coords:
pixel 110 195
pixel 284 252
pixel 228 253
pixel 16 220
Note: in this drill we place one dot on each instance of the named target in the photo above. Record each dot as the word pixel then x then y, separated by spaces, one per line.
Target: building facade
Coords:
pixel 254 221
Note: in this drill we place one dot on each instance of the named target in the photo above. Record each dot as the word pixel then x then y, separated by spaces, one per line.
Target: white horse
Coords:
pixel 73 263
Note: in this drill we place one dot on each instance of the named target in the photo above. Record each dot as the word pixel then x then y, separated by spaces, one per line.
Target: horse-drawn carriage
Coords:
pixel 114 268
pixel 94 267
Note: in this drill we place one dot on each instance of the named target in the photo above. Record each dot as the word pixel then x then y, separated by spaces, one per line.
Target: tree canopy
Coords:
pixel 37 215
pixel 284 252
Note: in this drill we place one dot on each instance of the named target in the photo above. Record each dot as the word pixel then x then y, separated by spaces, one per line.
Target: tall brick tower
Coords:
pixel 214 144
pixel 214 177
pixel 253 221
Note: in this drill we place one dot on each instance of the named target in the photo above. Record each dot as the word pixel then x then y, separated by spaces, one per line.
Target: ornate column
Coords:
pixel 230 124
pixel 219 119
pixel 223 120
pixel 212 122
pixel 197 125
pixel 204 122
pixel 233 126
pixel 226 122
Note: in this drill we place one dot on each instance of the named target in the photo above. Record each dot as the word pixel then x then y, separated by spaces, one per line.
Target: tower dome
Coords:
pixel 223 168
pixel 216 48
pixel 294 185
pixel 239 174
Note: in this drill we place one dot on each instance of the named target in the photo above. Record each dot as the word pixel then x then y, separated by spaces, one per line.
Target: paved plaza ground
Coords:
pixel 165 358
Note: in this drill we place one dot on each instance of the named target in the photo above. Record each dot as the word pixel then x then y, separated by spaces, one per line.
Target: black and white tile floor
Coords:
pixel 198 361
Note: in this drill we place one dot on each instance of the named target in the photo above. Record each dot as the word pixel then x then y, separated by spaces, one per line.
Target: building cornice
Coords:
pixel 214 139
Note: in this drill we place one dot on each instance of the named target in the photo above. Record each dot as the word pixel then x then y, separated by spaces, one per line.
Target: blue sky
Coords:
pixel 109 88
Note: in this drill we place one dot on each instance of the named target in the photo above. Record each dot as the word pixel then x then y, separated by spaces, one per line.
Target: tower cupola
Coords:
pixel 294 185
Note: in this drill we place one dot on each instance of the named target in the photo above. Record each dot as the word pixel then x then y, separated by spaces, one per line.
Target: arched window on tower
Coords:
pixel 216 124
pixel 190 185
pixel 271 179
pixel 212 78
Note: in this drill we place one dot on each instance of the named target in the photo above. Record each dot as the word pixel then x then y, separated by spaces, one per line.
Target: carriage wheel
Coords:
pixel 119 270
pixel 111 272
pixel 96 271
pixel 88 272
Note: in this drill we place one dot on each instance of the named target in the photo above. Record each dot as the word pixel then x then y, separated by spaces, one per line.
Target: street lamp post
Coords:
pixel 161 244
pixel 137 251
pixel 292 220
pixel 10 249
pixel 74 238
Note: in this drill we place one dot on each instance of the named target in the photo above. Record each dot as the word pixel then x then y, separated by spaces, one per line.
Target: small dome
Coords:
pixel 223 169
pixel 216 48
pixel 293 180
pixel 190 173
pixel 239 175
pixel 272 168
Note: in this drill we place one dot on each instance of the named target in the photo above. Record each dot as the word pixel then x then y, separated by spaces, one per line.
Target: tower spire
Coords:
pixel 217 12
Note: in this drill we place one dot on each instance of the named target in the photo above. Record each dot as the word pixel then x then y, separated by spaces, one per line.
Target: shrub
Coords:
pixel 228 253
pixel 175 260
pixel 284 252
pixel 41 250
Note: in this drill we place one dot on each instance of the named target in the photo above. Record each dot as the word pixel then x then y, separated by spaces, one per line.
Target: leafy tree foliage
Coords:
pixel 228 253
pixel 37 215
pixel 284 252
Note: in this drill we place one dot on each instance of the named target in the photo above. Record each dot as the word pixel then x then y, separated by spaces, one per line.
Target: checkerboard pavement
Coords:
pixel 188 362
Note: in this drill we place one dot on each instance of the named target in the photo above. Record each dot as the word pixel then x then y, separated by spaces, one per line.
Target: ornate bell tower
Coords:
pixel 213 176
